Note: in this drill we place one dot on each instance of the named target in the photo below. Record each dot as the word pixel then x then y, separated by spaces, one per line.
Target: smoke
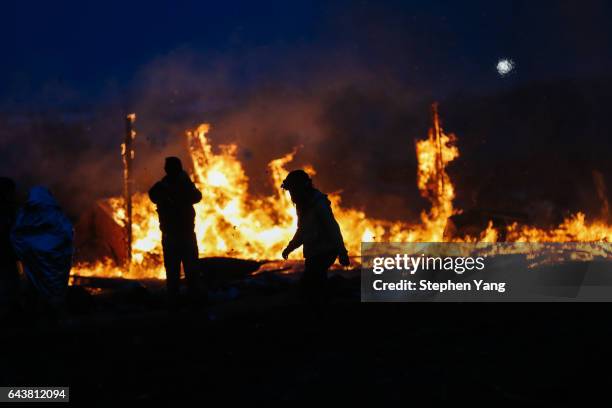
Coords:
pixel 352 110
pixel 64 154
pixel 357 130
pixel 353 127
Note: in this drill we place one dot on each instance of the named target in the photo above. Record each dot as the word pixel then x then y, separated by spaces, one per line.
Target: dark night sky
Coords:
pixel 350 81
pixel 444 45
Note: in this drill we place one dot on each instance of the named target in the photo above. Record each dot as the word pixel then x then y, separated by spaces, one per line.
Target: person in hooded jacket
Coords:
pixel 174 197
pixel 42 238
pixel 318 232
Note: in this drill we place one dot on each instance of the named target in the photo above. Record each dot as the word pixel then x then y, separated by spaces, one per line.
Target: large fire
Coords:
pixel 232 222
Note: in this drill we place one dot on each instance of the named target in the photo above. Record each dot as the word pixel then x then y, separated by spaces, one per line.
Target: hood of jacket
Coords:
pixel 40 197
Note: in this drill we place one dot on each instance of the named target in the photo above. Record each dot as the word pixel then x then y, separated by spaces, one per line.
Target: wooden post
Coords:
pixel 127 153
pixel 437 133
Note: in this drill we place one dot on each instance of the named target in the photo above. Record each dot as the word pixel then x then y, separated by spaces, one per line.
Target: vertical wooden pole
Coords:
pixel 127 152
pixel 437 130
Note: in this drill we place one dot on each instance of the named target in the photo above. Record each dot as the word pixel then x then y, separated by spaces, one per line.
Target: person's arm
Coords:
pixel 326 216
pixel 156 193
pixel 196 195
pixel 295 242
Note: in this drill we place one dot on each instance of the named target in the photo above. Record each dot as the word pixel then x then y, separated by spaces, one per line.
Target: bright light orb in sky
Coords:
pixel 505 67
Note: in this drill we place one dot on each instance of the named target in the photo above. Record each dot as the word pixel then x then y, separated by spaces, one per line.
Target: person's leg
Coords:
pixel 306 282
pixel 31 301
pixel 172 264
pixel 9 291
pixel 314 280
pixel 325 262
pixel 190 260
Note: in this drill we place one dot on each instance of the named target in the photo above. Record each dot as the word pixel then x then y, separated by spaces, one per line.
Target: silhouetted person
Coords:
pixel 175 196
pixel 318 232
pixel 43 241
pixel 9 274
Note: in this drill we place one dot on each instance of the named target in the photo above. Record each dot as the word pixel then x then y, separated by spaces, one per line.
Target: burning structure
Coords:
pixel 231 222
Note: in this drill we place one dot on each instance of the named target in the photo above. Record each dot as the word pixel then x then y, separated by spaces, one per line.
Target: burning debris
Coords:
pixel 230 222
pixel 100 236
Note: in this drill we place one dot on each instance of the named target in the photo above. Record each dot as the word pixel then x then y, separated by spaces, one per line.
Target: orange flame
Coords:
pixel 232 222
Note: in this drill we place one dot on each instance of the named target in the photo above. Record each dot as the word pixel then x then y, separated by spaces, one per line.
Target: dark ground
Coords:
pixel 264 346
